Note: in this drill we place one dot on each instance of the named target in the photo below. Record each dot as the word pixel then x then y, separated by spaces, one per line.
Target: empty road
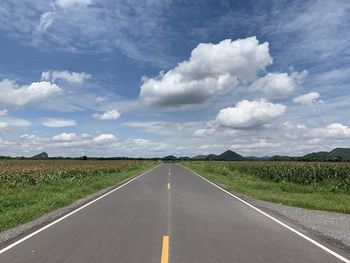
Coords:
pixel 168 214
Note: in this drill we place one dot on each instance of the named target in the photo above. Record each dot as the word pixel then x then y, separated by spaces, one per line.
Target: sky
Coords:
pixel 158 77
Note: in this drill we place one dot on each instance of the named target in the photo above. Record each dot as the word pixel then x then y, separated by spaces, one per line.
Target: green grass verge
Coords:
pixel 317 197
pixel 25 203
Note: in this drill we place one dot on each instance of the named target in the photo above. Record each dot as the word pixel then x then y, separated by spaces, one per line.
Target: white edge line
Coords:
pixel 277 221
pixel 73 212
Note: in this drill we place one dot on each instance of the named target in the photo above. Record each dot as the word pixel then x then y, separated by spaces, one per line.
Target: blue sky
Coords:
pixel 152 78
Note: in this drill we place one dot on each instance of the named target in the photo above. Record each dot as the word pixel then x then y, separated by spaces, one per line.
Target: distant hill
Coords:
pixel 344 153
pixel 42 155
pixel 230 156
pixel 225 156
pixel 338 154
pixel 170 157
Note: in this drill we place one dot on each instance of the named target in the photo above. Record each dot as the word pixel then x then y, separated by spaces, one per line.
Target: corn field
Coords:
pixel 303 173
pixel 14 173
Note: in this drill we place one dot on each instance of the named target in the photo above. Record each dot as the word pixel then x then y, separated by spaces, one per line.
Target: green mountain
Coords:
pixel 42 155
pixel 344 153
pixel 230 156
pixel 225 156
pixel 338 154
pixel 169 157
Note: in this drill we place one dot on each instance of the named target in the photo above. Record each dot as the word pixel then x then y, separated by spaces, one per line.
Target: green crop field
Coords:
pixel 30 188
pixel 314 185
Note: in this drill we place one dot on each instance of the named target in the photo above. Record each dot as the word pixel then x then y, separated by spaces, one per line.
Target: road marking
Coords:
pixel 168 186
pixel 73 212
pixel 277 221
pixel 169 173
pixel 165 250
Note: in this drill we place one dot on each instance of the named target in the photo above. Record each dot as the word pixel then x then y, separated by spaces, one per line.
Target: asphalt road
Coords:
pixel 164 217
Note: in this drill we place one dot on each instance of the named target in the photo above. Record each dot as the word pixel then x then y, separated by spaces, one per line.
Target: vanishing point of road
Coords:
pixel 168 214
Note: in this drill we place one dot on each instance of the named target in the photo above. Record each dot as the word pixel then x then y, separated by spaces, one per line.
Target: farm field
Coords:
pixel 313 185
pixel 30 188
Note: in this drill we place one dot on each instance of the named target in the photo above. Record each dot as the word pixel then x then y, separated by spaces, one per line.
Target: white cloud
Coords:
pixel 230 132
pixel 36 92
pixel 259 144
pixel 58 122
pixel 65 137
pixel 182 148
pixel 46 21
pixel 108 115
pixel 18 122
pixel 142 144
pixel 72 3
pixel 278 85
pixel 207 147
pixel 203 132
pixel 313 141
pixel 70 77
pixel 248 114
pixel 3 112
pixel 104 138
pixel 100 99
pixel 332 131
pixel 28 136
pixel 212 69
pixel 3 125
pixel 307 99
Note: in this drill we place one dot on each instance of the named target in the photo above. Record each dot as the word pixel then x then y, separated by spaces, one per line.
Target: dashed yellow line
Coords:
pixel 165 250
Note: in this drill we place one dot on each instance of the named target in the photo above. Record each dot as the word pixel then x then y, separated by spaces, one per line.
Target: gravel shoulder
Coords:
pixel 334 227
pixel 331 227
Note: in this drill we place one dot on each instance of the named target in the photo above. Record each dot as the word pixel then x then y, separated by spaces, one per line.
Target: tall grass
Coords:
pixel 321 186
pixel 31 188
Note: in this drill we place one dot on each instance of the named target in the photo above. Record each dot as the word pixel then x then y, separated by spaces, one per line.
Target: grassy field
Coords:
pixel 30 188
pixel 321 186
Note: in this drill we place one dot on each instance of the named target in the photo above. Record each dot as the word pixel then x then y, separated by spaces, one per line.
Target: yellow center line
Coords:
pixel 165 250
pixel 168 186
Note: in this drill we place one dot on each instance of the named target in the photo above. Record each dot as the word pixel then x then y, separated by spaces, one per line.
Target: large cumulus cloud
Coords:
pixel 212 69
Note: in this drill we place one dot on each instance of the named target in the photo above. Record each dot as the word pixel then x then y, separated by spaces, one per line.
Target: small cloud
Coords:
pixel 65 137
pixel 3 125
pixel 3 112
pixel 108 115
pixel 332 131
pixel 207 147
pixel 278 85
pixel 307 99
pixel 230 132
pixel 70 77
pixel 258 144
pixel 72 3
pixel 12 94
pixel 203 132
pixel 104 138
pixel 46 21
pixel 58 122
pixel 247 114
pixel 18 122
pixel 100 99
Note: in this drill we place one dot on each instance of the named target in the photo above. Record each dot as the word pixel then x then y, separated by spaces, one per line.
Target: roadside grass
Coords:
pixel 320 196
pixel 27 202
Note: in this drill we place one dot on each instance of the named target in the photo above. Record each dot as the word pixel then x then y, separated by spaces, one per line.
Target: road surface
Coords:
pixel 168 214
